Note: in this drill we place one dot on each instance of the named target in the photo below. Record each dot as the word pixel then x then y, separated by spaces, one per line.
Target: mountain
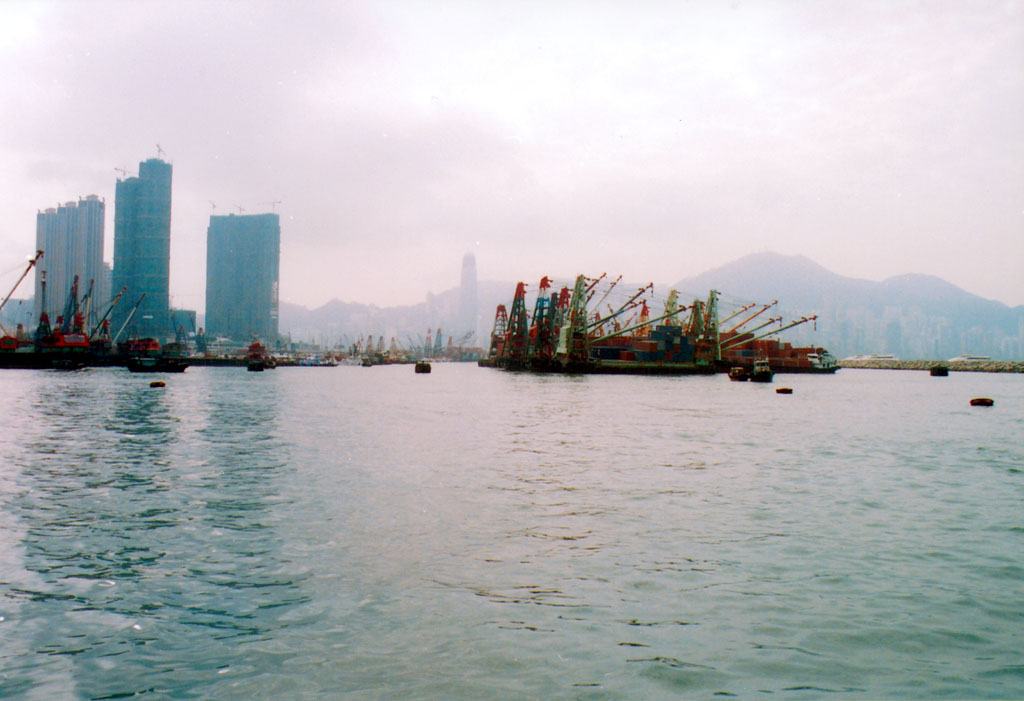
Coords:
pixel 910 316
pixel 343 323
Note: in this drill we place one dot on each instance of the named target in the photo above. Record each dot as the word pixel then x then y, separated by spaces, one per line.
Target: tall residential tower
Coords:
pixel 71 239
pixel 242 268
pixel 142 249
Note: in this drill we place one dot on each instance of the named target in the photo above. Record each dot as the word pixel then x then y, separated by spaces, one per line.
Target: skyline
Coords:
pixel 656 142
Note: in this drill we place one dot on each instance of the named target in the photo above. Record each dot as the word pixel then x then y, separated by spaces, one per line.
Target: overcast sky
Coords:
pixel 652 139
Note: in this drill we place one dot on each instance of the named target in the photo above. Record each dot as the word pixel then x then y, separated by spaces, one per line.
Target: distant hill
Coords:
pixel 909 316
pixel 343 323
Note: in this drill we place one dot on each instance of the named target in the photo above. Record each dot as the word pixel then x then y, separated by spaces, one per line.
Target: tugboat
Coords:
pixel 762 371
pixel 739 373
pixel 422 366
pixel 144 356
pixel 256 357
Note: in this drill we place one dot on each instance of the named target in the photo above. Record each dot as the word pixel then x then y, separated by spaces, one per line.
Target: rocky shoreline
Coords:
pixel 953 365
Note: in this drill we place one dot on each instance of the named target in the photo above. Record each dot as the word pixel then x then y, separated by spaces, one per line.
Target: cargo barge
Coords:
pixel 567 334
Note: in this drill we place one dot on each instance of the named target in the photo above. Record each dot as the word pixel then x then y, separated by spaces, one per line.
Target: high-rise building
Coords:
pixel 142 249
pixel 71 239
pixel 467 296
pixel 242 267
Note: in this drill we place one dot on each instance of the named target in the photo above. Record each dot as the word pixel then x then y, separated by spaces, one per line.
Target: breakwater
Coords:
pixel 953 365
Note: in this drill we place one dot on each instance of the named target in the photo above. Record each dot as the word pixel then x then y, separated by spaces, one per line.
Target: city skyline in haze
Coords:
pixel 653 141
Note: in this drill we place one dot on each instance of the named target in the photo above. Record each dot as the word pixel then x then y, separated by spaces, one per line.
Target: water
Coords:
pixel 373 533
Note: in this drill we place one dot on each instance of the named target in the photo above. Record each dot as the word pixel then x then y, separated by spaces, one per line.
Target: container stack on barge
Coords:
pixel 564 336
pixel 740 348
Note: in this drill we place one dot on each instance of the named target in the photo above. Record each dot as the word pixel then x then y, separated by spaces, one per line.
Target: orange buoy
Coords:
pixel 157 383
pixel 982 401
pixel 784 390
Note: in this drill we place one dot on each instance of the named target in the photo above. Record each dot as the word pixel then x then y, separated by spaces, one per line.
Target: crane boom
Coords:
pixel 127 321
pixel 107 313
pixel 802 320
pixel 24 274
pixel 645 323
pixel 738 312
pixel 754 315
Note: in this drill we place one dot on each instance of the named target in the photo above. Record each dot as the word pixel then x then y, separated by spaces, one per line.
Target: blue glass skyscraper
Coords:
pixel 142 250
pixel 242 268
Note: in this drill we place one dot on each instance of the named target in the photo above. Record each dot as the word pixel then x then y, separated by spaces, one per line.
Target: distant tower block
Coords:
pixel 243 255
pixel 71 238
pixel 468 297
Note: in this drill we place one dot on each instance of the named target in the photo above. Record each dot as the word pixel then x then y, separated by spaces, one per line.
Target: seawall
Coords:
pixel 953 365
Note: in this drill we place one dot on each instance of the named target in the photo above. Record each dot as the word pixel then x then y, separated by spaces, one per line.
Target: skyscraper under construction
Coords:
pixel 142 249
pixel 242 269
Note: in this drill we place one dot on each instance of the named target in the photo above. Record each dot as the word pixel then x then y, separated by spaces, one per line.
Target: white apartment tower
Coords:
pixel 71 239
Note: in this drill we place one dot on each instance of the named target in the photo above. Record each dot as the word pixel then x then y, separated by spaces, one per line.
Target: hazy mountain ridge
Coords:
pixel 910 316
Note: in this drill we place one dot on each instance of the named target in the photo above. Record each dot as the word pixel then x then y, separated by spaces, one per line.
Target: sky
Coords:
pixel 655 140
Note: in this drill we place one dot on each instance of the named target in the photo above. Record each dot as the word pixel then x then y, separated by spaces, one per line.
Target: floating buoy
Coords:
pixel 784 390
pixel 982 401
pixel 157 383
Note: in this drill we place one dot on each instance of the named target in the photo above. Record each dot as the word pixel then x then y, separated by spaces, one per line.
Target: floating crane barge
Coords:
pixel 563 336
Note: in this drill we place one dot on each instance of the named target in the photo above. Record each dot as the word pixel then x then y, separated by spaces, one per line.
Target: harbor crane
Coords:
pixel 31 264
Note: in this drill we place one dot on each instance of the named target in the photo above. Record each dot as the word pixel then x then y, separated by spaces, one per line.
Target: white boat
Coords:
pixel 966 357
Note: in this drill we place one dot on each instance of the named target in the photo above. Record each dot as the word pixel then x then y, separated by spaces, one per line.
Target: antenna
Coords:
pixel 273 205
pixel 213 207
pixel 240 209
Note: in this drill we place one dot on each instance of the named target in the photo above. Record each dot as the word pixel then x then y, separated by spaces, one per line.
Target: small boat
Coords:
pixel 422 366
pixel 739 373
pixel 762 371
pixel 256 357
pixel 68 364
pixel 155 364
pixel 939 371
pixel 982 401
pixel 157 383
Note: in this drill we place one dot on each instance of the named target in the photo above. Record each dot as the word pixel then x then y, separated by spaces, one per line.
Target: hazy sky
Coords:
pixel 652 139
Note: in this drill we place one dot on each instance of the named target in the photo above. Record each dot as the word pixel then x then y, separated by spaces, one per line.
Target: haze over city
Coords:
pixel 656 140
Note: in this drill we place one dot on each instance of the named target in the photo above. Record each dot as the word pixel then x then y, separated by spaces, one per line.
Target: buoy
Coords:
pixel 157 383
pixel 982 401
pixel 784 390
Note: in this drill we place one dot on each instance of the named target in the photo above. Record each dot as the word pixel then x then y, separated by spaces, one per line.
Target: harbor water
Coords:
pixel 373 533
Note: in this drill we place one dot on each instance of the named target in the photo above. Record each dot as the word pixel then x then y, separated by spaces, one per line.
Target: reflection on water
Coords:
pixel 145 515
pixel 478 534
